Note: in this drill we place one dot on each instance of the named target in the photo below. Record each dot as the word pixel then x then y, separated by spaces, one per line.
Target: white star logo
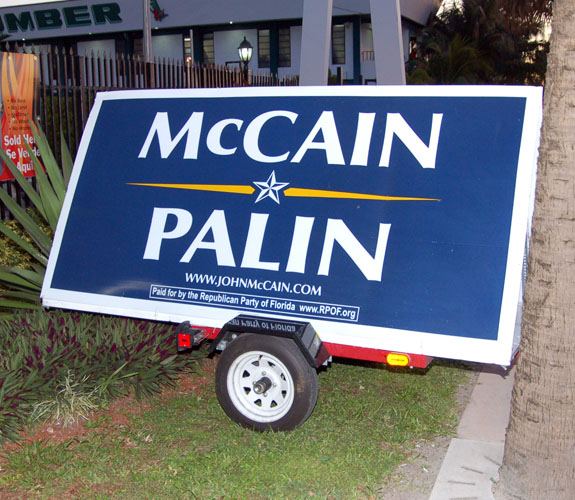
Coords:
pixel 270 188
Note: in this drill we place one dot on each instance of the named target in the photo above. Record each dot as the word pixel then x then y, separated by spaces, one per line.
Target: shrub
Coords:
pixel 21 286
pixel 61 364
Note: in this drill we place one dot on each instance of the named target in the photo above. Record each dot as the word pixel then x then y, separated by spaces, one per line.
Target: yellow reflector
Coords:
pixel 396 359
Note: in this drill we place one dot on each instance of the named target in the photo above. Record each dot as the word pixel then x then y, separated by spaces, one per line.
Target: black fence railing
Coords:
pixel 69 83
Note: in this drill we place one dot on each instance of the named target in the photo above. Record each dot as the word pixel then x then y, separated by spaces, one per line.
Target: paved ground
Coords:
pixel 463 467
pixel 474 456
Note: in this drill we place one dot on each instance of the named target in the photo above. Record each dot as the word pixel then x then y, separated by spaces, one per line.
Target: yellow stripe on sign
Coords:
pixel 219 188
pixel 318 193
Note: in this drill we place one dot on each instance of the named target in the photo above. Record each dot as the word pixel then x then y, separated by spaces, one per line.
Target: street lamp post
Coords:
pixel 147 44
pixel 245 51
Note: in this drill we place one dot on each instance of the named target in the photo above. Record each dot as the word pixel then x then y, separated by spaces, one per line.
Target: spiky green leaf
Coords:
pixel 50 201
pixel 52 205
pixel 17 281
pixel 23 183
pixel 33 277
pixel 11 294
pixel 67 160
pixel 50 173
pixel 31 227
pixel 50 163
pixel 18 304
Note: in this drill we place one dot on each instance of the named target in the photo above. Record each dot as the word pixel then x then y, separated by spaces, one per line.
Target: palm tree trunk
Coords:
pixel 539 460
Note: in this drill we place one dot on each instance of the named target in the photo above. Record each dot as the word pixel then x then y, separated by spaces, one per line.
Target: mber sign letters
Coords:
pixel 69 17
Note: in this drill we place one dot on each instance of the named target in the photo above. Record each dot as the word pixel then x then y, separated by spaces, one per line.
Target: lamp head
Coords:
pixel 245 51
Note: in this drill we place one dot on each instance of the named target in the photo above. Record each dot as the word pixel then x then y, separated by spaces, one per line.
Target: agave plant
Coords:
pixel 20 288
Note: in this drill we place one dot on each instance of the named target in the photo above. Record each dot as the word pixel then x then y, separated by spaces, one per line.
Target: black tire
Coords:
pixel 265 383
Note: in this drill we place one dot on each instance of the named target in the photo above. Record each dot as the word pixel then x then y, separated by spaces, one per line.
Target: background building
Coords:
pixel 209 31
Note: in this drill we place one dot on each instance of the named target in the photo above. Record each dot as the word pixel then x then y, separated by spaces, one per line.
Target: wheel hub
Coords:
pixel 263 385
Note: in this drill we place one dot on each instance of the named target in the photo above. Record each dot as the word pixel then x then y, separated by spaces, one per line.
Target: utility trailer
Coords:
pixel 290 225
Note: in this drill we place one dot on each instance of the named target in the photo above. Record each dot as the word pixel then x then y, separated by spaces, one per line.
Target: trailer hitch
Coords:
pixel 188 337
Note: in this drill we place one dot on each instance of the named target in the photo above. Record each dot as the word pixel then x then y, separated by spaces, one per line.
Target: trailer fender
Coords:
pixel 302 333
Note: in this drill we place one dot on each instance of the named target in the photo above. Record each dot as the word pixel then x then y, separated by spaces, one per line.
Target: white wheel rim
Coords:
pixel 243 376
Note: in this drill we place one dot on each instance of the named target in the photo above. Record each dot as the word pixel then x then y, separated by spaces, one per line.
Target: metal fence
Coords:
pixel 69 83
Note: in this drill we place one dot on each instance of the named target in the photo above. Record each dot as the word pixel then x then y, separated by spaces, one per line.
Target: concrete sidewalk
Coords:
pixel 474 456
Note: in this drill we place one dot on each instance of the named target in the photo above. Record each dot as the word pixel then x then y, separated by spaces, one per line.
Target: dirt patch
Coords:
pixel 414 479
pixel 115 416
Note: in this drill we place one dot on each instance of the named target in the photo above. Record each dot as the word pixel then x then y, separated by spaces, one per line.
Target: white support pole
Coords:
pixel 315 43
pixel 387 42
pixel 147 32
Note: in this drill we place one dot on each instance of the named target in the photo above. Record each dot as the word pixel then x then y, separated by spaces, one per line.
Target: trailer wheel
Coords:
pixel 265 383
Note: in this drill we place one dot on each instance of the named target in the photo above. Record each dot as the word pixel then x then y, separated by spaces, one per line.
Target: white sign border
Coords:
pixel 431 344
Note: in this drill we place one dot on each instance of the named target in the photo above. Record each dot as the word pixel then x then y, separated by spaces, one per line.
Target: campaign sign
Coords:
pixel 388 217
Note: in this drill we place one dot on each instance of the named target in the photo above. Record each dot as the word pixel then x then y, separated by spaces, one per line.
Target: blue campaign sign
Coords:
pixel 389 217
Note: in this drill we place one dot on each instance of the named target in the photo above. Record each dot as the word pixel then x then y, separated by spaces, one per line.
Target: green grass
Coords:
pixel 368 419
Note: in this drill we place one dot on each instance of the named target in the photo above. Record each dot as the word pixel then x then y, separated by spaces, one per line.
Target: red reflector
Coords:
pixel 185 340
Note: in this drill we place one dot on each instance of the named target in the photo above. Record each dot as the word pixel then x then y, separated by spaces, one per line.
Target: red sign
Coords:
pixel 19 74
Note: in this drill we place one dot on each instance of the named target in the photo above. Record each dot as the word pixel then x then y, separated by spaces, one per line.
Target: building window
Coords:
pixel 121 47
pixel 284 47
pixel 338 44
pixel 263 48
pixel 138 47
pixel 188 56
pixel 208 48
